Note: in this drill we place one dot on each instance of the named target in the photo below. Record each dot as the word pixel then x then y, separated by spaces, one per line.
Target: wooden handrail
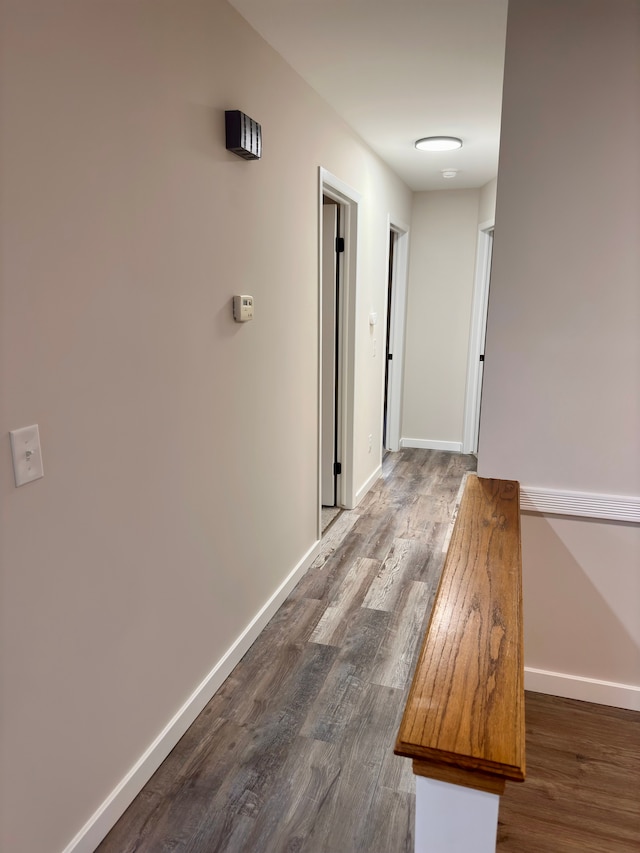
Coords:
pixel 464 718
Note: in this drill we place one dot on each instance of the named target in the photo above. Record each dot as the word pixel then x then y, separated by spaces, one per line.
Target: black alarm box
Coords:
pixel 244 135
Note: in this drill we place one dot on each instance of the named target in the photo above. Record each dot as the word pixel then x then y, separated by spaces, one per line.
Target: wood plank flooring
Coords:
pixel 582 791
pixel 294 754
pixel 295 751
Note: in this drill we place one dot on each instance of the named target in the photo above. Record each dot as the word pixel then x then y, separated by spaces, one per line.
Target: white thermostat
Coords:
pixel 242 308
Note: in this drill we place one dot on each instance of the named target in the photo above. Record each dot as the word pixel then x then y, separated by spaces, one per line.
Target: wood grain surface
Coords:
pixel 466 704
pixel 582 793
pixel 295 751
pixel 294 754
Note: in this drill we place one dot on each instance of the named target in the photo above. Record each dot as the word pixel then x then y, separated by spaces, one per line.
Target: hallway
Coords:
pixel 295 752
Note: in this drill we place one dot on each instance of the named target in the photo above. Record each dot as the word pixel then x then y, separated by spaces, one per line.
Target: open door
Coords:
pixel 388 347
pixel 483 337
pixel 330 302
pixel 398 235
pixel 343 258
pixel 475 366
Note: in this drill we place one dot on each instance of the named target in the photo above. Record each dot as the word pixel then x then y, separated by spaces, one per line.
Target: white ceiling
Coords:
pixel 397 70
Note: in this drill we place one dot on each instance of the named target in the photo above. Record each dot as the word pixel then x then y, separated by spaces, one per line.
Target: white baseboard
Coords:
pixel 429 444
pixel 362 491
pixel 585 689
pixel 105 817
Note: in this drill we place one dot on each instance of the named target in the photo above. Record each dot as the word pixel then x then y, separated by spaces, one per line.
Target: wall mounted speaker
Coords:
pixel 244 135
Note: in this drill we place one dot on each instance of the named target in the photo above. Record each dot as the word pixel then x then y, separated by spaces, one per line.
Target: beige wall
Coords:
pixel 441 275
pixel 487 206
pixel 180 449
pixel 561 401
pixel 582 597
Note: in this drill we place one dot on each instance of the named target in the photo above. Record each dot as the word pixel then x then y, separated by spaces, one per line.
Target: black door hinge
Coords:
pixel 339 244
pixel 482 357
pixel 337 468
pixel 390 357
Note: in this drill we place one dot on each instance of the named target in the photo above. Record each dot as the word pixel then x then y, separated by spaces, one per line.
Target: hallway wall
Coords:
pixel 180 449
pixel 561 402
pixel 441 277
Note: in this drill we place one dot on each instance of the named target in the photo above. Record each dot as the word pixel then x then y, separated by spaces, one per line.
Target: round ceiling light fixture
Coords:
pixel 438 143
pixel 449 173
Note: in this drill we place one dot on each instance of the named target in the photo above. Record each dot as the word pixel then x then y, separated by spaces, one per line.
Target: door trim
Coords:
pixel 349 201
pixel 477 334
pixel 399 275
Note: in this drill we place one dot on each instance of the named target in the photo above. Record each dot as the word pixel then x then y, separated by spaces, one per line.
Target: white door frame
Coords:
pixel 477 335
pixel 399 274
pixel 349 201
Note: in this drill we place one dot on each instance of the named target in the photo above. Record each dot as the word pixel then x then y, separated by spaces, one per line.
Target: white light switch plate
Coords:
pixel 27 456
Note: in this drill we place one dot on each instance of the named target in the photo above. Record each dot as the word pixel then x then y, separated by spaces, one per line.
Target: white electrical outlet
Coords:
pixel 27 455
pixel 370 443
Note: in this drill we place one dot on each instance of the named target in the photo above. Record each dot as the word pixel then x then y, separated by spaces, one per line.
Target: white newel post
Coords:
pixel 454 819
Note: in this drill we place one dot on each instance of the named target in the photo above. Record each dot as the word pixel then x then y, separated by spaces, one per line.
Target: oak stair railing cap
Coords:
pixel 464 718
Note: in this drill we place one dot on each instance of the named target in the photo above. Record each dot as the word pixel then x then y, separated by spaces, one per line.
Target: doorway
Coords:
pixel 336 376
pixel 397 268
pixel 388 348
pixel 330 338
pixel 477 337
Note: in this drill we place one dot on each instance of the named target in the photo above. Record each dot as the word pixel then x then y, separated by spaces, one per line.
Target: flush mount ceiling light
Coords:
pixel 438 143
pixel 449 173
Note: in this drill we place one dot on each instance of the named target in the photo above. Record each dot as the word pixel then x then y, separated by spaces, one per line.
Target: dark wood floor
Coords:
pixel 582 792
pixel 294 754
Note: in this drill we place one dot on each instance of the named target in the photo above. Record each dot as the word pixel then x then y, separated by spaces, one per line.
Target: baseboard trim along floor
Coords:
pixel 586 689
pixel 108 813
pixel 432 444
pixel 362 491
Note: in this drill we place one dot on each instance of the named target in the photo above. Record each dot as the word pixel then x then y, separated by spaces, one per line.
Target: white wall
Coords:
pixel 441 275
pixel 561 402
pixel 180 449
